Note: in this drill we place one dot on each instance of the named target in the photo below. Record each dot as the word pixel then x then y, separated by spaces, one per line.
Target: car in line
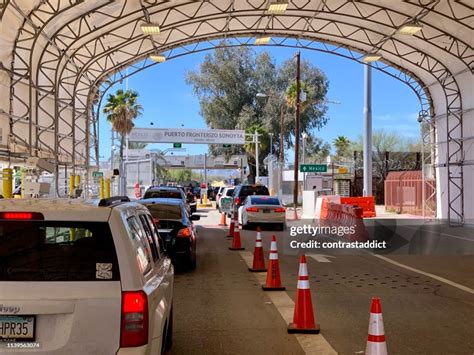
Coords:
pixel 83 277
pixel 170 192
pixel 176 228
pixel 262 211
pixel 219 195
pixel 242 191
pixel 227 193
pixel 190 198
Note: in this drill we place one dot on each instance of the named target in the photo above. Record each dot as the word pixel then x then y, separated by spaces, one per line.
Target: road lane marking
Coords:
pixel 321 258
pixel 439 233
pixel 439 278
pixel 310 343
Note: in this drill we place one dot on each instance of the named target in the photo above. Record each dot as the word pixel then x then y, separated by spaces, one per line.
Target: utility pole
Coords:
pixel 297 134
pixel 367 130
pixel 282 151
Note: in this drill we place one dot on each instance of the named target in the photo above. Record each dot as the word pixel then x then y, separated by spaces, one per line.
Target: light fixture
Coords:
pixel 371 57
pixel 278 7
pixel 410 28
pixel 159 58
pixel 150 29
pixel 262 40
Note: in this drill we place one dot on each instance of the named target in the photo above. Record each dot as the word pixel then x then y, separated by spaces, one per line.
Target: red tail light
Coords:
pixel 280 209
pixel 251 209
pixel 237 200
pixel 185 233
pixel 156 220
pixel 21 215
pixel 134 328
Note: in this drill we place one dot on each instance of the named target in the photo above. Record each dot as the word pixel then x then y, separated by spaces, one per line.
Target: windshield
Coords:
pixel 163 194
pixel 229 192
pixel 57 251
pixel 253 190
pixel 265 201
pixel 165 212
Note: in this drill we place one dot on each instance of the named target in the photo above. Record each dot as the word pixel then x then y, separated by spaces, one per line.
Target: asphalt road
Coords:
pixel 221 309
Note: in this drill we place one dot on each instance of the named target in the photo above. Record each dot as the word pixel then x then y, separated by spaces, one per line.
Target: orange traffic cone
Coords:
pixel 303 318
pixel 273 274
pixel 236 244
pixel 231 228
pixel 376 344
pixel 223 220
pixel 258 258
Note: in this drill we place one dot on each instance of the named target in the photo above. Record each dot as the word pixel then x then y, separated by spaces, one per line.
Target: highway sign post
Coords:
pixel 313 168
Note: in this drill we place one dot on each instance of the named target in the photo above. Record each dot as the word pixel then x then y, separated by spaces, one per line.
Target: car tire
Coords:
pixel 168 338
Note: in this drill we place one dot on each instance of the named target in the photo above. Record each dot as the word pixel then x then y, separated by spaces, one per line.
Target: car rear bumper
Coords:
pixel 264 218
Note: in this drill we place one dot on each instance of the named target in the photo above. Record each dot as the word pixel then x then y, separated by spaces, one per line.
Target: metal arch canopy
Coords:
pixel 54 54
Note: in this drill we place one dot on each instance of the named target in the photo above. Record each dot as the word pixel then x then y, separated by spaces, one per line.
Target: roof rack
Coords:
pixel 105 202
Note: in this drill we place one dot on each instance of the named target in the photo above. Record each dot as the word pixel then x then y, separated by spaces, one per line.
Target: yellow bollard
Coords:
pixel 7 183
pixel 71 185
pixel 78 181
pixel 23 181
pixel 101 187
pixel 107 187
pixel 72 234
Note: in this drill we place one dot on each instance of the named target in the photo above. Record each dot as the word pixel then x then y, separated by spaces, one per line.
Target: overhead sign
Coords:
pixel 183 135
pixel 313 168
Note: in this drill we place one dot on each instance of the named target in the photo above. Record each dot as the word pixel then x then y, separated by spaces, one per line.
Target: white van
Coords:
pixel 83 277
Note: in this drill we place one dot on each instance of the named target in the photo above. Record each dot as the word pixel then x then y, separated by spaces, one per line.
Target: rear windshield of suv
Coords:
pixel 163 194
pixel 57 251
pixel 229 192
pixel 253 190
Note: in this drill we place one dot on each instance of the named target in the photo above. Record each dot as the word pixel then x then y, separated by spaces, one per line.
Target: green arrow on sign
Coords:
pixel 176 145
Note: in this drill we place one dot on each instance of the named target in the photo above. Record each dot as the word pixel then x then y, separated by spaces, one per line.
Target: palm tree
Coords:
pixel 137 145
pixel 121 109
pixel 290 96
pixel 342 145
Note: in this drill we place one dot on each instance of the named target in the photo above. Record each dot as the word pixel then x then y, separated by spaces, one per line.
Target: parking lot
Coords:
pixel 220 307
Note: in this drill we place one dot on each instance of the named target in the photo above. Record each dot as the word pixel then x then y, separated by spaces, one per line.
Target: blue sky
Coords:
pixel 168 102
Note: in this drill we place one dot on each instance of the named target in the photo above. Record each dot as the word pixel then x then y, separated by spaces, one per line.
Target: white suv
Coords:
pixel 82 277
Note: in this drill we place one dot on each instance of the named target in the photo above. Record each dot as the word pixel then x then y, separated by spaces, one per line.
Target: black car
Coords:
pixel 242 191
pixel 176 229
pixel 170 192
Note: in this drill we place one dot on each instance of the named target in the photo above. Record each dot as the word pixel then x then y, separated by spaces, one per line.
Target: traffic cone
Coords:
pixel 231 228
pixel 273 274
pixel 376 344
pixel 303 317
pixel 258 258
pixel 223 220
pixel 236 244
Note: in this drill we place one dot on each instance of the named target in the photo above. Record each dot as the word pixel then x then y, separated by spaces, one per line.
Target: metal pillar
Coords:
pixel 367 130
pixel 257 165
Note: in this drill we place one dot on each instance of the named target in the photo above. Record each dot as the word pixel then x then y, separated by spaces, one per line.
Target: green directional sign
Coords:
pixel 97 174
pixel 226 145
pixel 313 168
pixel 176 145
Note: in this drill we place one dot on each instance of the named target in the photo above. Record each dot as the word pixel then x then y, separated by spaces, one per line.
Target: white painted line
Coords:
pixel 311 343
pixel 439 278
pixel 320 258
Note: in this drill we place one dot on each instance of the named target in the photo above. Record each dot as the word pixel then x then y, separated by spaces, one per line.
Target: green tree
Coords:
pixel 180 175
pixel 121 109
pixel 343 148
pixel 137 145
pixel 316 150
pixel 227 84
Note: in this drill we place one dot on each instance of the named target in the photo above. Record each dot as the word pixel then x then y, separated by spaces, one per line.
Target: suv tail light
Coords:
pixel 280 209
pixel 251 209
pixel 237 200
pixel 185 233
pixel 134 328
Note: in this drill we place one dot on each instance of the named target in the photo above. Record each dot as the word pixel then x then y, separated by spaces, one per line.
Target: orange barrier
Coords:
pixel 366 203
pixel 337 215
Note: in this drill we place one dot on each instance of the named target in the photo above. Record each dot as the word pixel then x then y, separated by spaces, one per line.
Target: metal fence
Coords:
pixel 407 192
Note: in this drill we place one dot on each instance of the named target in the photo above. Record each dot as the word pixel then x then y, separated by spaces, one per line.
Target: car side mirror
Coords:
pixel 194 217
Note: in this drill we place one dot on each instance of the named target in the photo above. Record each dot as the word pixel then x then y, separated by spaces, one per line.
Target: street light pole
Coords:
pixel 257 165
pixel 297 134
pixel 367 130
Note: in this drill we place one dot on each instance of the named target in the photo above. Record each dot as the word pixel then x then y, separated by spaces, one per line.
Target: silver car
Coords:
pixel 262 210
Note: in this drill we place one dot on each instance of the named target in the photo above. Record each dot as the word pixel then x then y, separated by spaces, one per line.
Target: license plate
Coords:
pixel 17 328
pixel 266 211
